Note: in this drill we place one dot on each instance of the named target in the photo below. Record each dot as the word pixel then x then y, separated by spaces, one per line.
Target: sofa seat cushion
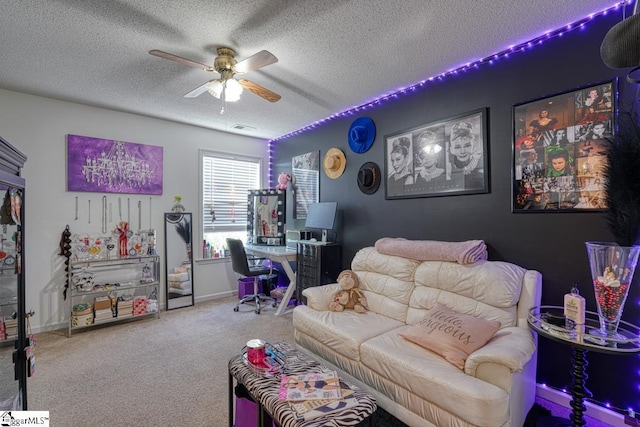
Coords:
pixel 343 331
pixel 429 376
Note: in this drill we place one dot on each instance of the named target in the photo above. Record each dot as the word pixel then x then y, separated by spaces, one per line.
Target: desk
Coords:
pixel 581 341
pixel 283 255
pixel 310 242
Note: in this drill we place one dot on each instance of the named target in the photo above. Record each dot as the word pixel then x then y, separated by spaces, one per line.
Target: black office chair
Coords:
pixel 242 264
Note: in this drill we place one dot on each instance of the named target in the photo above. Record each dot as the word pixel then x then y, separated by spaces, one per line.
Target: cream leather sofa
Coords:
pixel 420 388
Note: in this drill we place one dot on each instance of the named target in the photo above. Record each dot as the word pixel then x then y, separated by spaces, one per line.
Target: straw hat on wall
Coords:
pixel 334 163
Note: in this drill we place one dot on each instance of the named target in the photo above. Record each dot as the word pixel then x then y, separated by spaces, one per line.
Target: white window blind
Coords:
pixel 225 181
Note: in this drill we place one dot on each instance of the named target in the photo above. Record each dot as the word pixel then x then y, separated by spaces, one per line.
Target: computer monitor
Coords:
pixel 323 216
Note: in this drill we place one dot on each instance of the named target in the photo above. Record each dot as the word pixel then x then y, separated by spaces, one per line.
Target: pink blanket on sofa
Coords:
pixel 431 250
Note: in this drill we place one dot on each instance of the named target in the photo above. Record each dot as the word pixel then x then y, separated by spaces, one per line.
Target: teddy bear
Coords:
pixel 283 179
pixel 349 296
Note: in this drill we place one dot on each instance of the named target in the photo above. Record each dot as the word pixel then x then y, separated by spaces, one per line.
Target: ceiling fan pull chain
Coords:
pixel 223 97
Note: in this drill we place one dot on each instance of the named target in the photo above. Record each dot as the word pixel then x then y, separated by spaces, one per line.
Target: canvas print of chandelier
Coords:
pixel 109 166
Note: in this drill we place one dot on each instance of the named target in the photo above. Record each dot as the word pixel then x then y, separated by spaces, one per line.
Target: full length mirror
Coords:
pixel 178 249
pixel 266 217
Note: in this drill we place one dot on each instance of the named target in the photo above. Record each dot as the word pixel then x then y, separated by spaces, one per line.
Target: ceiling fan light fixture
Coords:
pixel 227 88
pixel 215 88
pixel 232 90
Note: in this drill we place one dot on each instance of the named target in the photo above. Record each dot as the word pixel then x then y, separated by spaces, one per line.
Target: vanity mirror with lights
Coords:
pixel 266 215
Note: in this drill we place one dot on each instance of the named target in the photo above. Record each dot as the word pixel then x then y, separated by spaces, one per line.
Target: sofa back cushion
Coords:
pixel 486 289
pixel 387 281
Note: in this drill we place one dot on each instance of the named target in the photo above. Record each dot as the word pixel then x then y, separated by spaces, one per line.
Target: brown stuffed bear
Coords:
pixel 349 295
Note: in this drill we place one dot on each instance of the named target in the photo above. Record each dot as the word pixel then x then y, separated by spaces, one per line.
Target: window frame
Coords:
pixel 206 153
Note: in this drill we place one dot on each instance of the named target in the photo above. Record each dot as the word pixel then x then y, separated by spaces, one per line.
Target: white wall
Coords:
pixel 38 127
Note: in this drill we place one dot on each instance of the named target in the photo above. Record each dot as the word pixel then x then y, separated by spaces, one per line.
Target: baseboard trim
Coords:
pixel 594 411
pixel 51 327
pixel 215 296
pixel 65 323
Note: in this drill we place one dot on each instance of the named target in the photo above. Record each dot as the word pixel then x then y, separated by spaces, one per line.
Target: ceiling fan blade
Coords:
pixel 181 60
pixel 258 60
pixel 259 90
pixel 199 90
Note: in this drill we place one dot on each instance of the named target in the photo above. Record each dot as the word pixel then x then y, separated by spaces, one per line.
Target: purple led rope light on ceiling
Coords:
pixel 503 54
pixel 520 48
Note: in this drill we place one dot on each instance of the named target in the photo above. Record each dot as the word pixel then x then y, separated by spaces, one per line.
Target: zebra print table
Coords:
pixel 265 391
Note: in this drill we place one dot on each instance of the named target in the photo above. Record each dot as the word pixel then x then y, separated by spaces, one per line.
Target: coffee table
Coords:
pixel 264 390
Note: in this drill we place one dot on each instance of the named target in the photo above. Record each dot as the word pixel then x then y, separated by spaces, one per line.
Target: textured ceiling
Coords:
pixel 333 54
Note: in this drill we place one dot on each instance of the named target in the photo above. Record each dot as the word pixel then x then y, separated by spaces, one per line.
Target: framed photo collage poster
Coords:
pixel 560 147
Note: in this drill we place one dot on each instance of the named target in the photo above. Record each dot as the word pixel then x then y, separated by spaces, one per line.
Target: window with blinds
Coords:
pixel 225 181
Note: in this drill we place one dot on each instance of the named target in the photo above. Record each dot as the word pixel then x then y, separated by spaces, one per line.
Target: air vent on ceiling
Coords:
pixel 241 127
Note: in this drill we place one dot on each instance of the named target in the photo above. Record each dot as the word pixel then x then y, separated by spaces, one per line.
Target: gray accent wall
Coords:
pixel 552 243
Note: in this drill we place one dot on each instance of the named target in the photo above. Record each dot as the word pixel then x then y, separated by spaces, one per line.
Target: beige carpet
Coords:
pixel 169 371
pixel 166 372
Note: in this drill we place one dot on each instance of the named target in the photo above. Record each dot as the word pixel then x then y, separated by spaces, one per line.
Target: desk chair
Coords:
pixel 241 265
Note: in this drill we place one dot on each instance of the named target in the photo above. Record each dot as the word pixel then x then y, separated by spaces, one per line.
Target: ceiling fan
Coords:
pixel 227 87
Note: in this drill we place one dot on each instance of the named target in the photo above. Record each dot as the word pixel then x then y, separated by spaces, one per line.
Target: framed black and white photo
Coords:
pixel 305 169
pixel 443 158
pixel 560 150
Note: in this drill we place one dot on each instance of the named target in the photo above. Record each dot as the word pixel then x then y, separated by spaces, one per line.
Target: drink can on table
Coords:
pixel 255 351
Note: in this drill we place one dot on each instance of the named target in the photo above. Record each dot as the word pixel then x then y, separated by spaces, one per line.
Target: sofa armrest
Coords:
pixel 511 347
pixel 319 297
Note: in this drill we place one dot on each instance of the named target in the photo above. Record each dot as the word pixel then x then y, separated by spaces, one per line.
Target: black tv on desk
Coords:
pixel 323 216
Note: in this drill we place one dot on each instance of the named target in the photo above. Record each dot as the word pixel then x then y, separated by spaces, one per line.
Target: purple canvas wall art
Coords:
pixel 110 166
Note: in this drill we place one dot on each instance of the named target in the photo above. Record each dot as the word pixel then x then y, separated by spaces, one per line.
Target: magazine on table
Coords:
pixel 332 406
pixel 312 386
pixel 310 409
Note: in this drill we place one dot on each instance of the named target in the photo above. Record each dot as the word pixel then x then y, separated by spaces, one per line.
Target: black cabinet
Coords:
pixel 15 346
pixel 316 265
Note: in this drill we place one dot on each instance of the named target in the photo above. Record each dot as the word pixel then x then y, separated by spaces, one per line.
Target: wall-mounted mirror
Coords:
pixel 178 250
pixel 266 217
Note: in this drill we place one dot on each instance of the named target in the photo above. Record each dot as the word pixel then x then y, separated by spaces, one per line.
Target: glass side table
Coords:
pixel 548 321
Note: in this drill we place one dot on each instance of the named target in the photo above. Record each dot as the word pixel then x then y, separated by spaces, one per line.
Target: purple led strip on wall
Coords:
pixel 506 53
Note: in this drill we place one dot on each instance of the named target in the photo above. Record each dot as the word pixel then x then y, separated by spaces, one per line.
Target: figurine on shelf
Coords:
pixel 122 230
pixel 151 242
pixel 177 207
pixel 110 246
pixel 283 179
